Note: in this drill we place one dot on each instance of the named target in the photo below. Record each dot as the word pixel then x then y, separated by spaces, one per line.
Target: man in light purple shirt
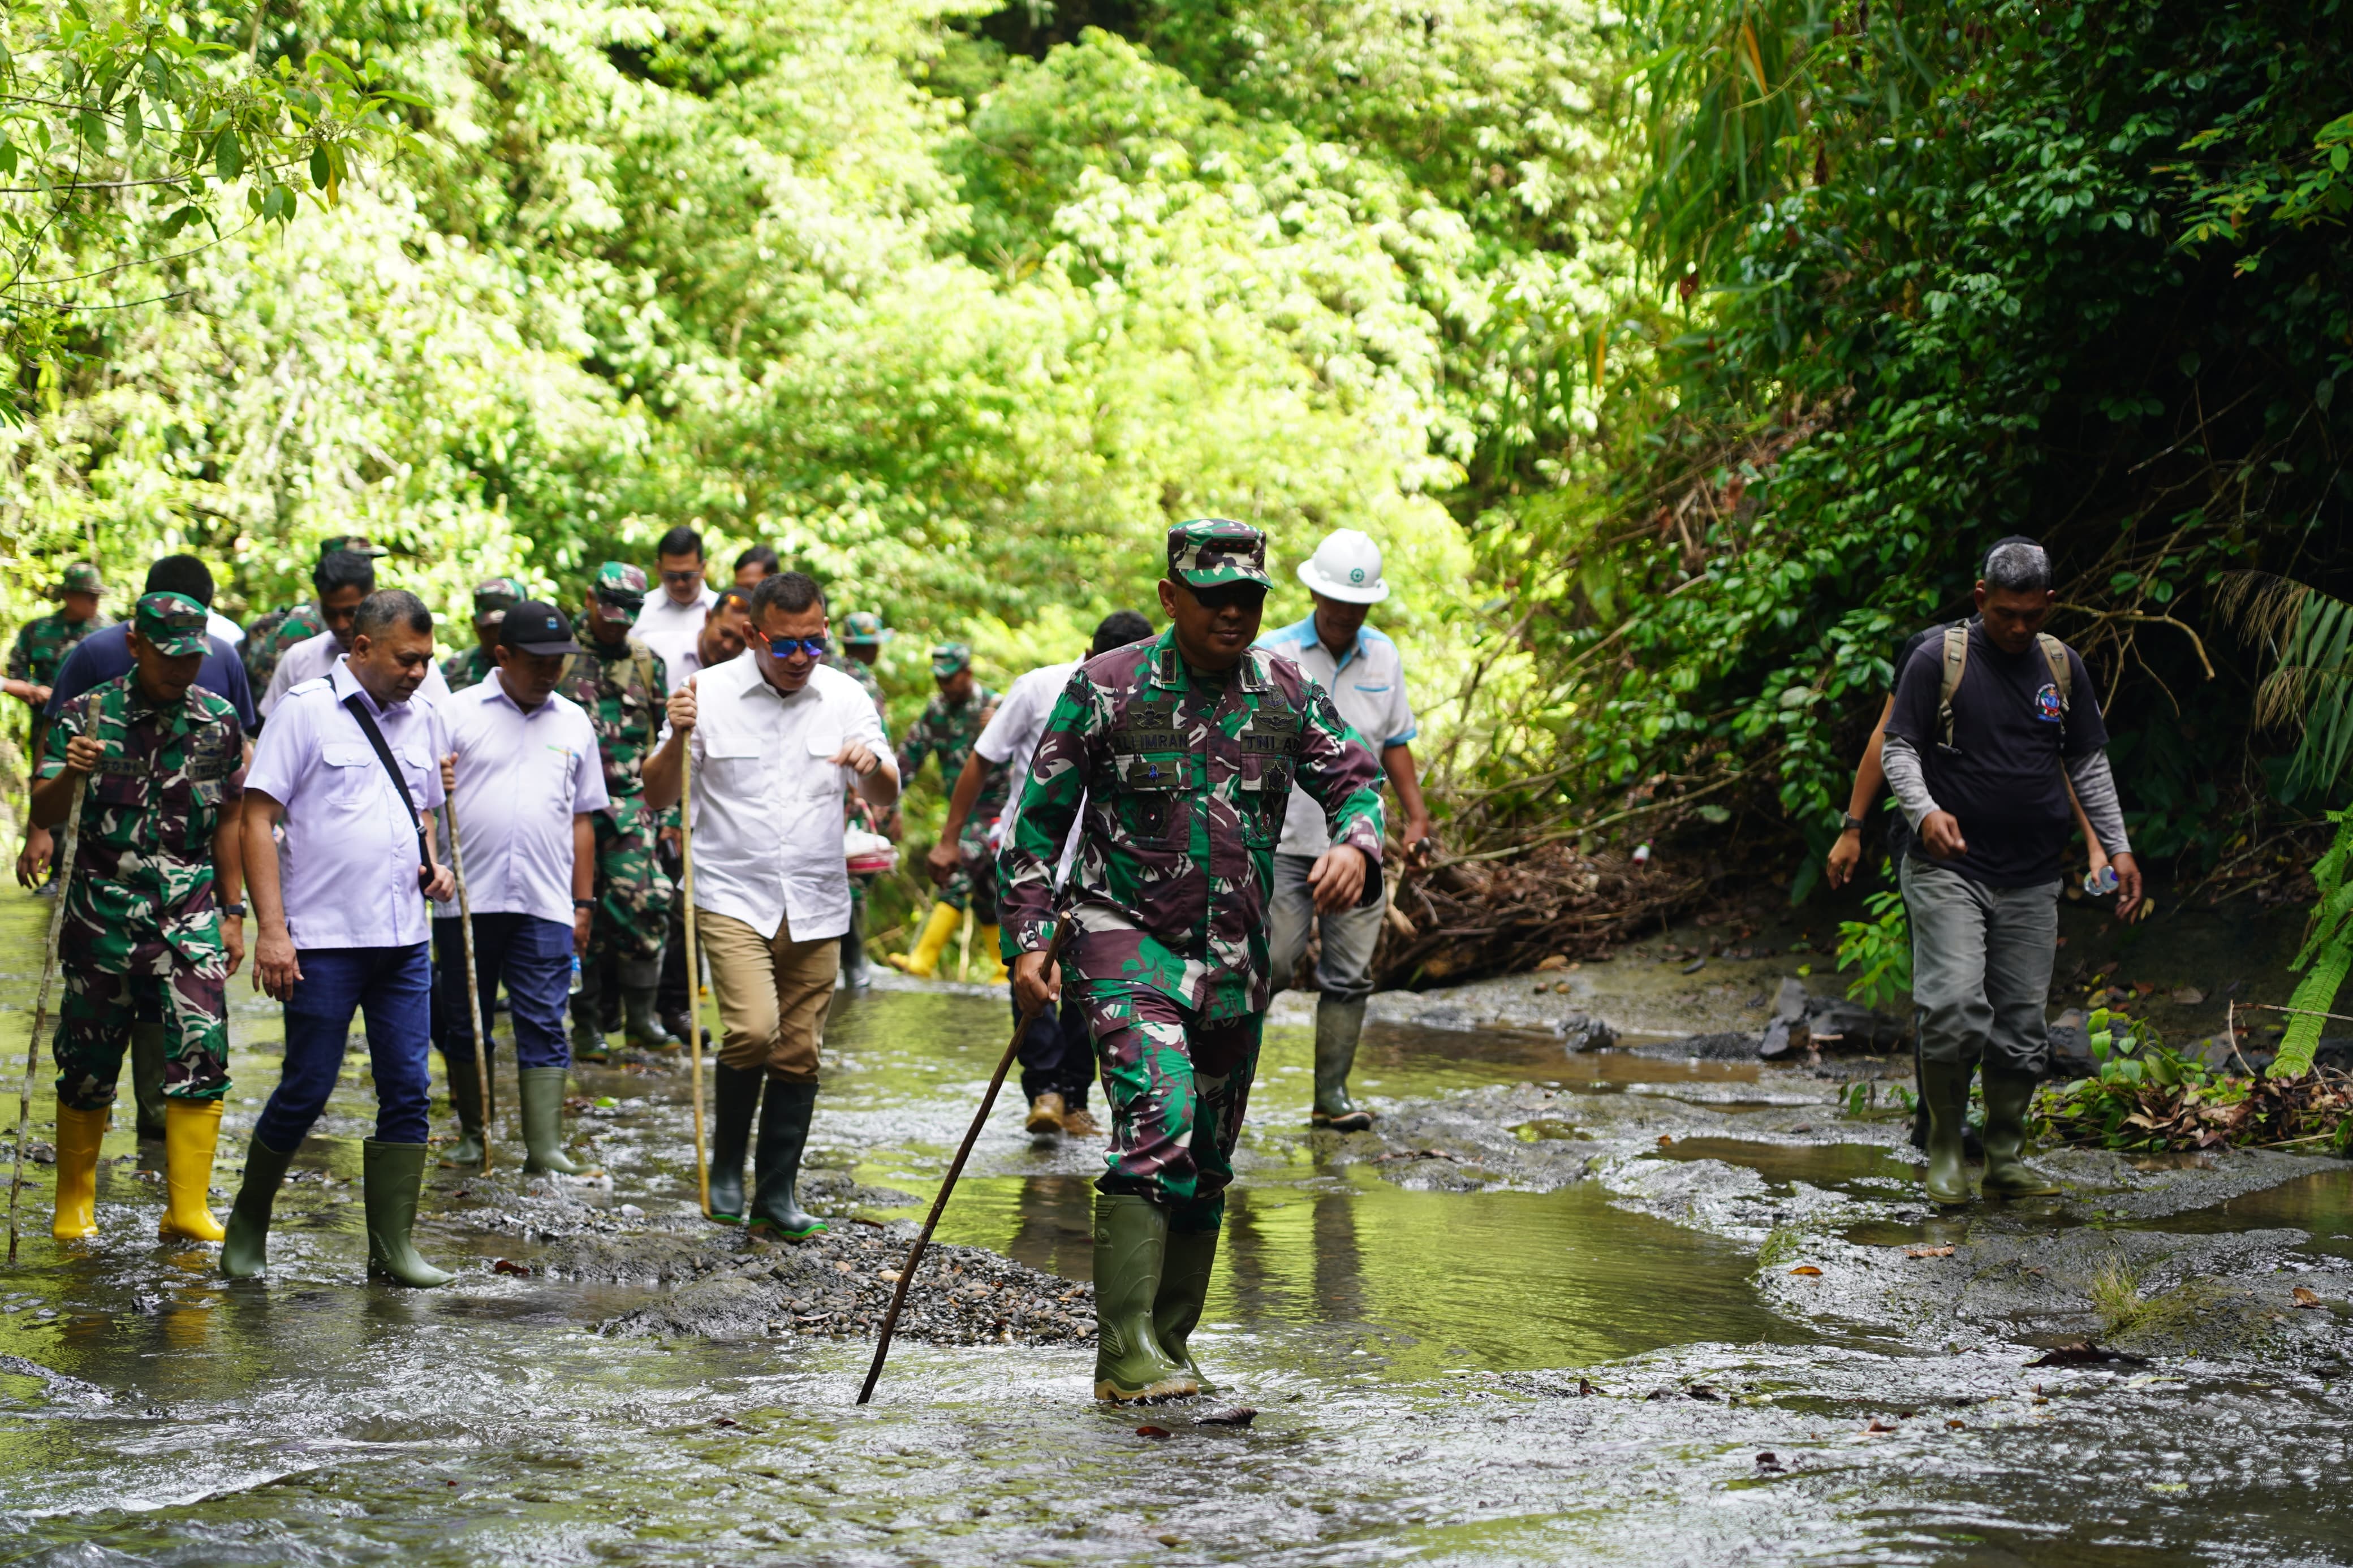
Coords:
pixel 524 782
pixel 347 768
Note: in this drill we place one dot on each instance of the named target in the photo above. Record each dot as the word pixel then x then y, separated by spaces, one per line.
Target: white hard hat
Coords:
pixel 1346 566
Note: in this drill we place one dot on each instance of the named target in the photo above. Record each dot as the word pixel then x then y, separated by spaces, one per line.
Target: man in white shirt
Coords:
pixel 342 579
pixel 777 739
pixel 727 631
pixel 523 781
pixel 673 620
pixel 348 770
pixel 1056 1054
pixel 1365 677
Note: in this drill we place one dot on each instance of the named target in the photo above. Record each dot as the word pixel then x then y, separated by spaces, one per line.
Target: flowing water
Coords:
pixel 1495 1376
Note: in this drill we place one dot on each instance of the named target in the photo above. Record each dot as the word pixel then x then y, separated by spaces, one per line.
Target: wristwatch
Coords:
pixel 1850 823
pixel 236 910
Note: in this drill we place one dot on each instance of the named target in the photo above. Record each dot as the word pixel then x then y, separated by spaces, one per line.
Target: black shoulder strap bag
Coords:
pixel 358 706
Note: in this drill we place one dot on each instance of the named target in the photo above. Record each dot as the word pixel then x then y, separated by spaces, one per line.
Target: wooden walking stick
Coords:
pixel 41 1007
pixel 955 1169
pixel 693 965
pixel 481 1026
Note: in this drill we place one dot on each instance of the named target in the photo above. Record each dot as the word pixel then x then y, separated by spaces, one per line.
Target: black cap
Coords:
pixel 534 626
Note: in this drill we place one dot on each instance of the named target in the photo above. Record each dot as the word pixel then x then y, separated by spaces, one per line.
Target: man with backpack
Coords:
pixel 1986 715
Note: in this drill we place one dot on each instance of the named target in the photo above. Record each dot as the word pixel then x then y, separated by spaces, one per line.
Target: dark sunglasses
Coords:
pixel 784 647
pixel 694 575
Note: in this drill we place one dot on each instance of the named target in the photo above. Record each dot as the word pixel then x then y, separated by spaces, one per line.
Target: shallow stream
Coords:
pixel 1524 1372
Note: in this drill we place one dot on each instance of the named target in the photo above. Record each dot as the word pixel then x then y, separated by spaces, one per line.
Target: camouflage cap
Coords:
pixel 620 590
pixel 864 627
pixel 357 543
pixel 493 597
pixel 81 577
pixel 173 624
pixel 1211 551
pixel 948 658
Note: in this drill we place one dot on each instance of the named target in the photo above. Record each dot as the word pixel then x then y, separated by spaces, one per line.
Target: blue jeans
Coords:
pixel 393 985
pixel 534 957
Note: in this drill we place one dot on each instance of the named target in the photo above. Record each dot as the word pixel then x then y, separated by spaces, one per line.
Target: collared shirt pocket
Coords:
pixel 349 765
pixel 1262 791
pixel 1152 798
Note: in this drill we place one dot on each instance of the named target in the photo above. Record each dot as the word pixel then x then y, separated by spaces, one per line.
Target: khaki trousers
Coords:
pixel 772 994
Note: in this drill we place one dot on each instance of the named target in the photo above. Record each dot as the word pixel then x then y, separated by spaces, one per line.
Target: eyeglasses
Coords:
pixel 784 647
pixel 683 577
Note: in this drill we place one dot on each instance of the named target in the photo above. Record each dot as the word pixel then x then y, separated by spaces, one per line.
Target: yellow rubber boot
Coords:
pixel 922 960
pixel 992 963
pixel 80 1133
pixel 191 1129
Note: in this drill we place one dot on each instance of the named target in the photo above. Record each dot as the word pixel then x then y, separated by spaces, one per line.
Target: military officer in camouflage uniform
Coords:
pixel 951 723
pixel 270 636
pixel 153 927
pixel 623 686
pixel 40 650
pixel 493 597
pixel 1175 758
pixel 859 646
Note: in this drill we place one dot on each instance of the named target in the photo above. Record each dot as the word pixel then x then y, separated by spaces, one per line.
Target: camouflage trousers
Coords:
pixel 190 1000
pixel 633 894
pixel 974 884
pixel 1178 1089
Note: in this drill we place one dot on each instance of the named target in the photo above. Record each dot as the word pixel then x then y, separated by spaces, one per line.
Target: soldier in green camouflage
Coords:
pixel 860 644
pixel 623 686
pixel 1174 758
pixel 950 723
pixel 153 928
pixel 270 636
pixel 493 597
pixel 40 650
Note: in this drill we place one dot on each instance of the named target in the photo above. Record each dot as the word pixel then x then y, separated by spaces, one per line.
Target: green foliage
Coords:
pixel 2327 953
pixel 1880 948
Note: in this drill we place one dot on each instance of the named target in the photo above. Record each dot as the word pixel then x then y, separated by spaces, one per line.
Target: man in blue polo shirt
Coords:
pixel 1365 675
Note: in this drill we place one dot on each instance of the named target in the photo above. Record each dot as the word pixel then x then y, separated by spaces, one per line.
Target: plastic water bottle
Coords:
pixel 575 974
pixel 2100 883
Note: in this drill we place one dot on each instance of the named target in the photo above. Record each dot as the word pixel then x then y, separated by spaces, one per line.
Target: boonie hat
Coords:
pixel 950 656
pixel 865 629
pixel 357 543
pixel 1211 551
pixel 173 624
pixel 620 593
pixel 81 577
pixel 1347 567
pixel 534 626
pixel 493 597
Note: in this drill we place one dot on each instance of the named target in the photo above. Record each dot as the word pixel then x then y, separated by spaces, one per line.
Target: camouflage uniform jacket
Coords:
pixel 946 730
pixel 267 638
pixel 468 666
pixel 624 688
pixel 1184 782
pixel 143 876
pixel 42 645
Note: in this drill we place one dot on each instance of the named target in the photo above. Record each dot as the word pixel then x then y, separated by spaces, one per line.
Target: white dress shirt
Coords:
pixel 347 866
pixel 1368 685
pixel 315 657
pixel 522 778
pixel 768 799
pixel 671 628
pixel 1012 737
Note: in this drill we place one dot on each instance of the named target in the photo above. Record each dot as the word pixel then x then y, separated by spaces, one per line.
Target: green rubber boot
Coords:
pixel 147 1079
pixel 1944 1095
pixel 1337 1027
pixel 466 1100
pixel 1131 1251
pixel 783 1133
pixel 541 1091
pixel 735 1096
pixel 1183 1287
pixel 2008 1098
pixel 245 1244
pixel 392 1174
pixel 641 1025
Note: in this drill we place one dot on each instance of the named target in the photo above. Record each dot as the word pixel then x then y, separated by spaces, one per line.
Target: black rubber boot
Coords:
pixel 735 1096
pixel 588 1017
pixel 466 1100
pixel 541 1091
pixel 245 1249
pixel 1944 1096
pixel 147 1079
pixel 641 1025
pixel 392 1176
pixel 855 973
pixel 1337 1027
pixel 1186 1263
pixel 1131 1248
pixel 2008 1098
pixel 783 1133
